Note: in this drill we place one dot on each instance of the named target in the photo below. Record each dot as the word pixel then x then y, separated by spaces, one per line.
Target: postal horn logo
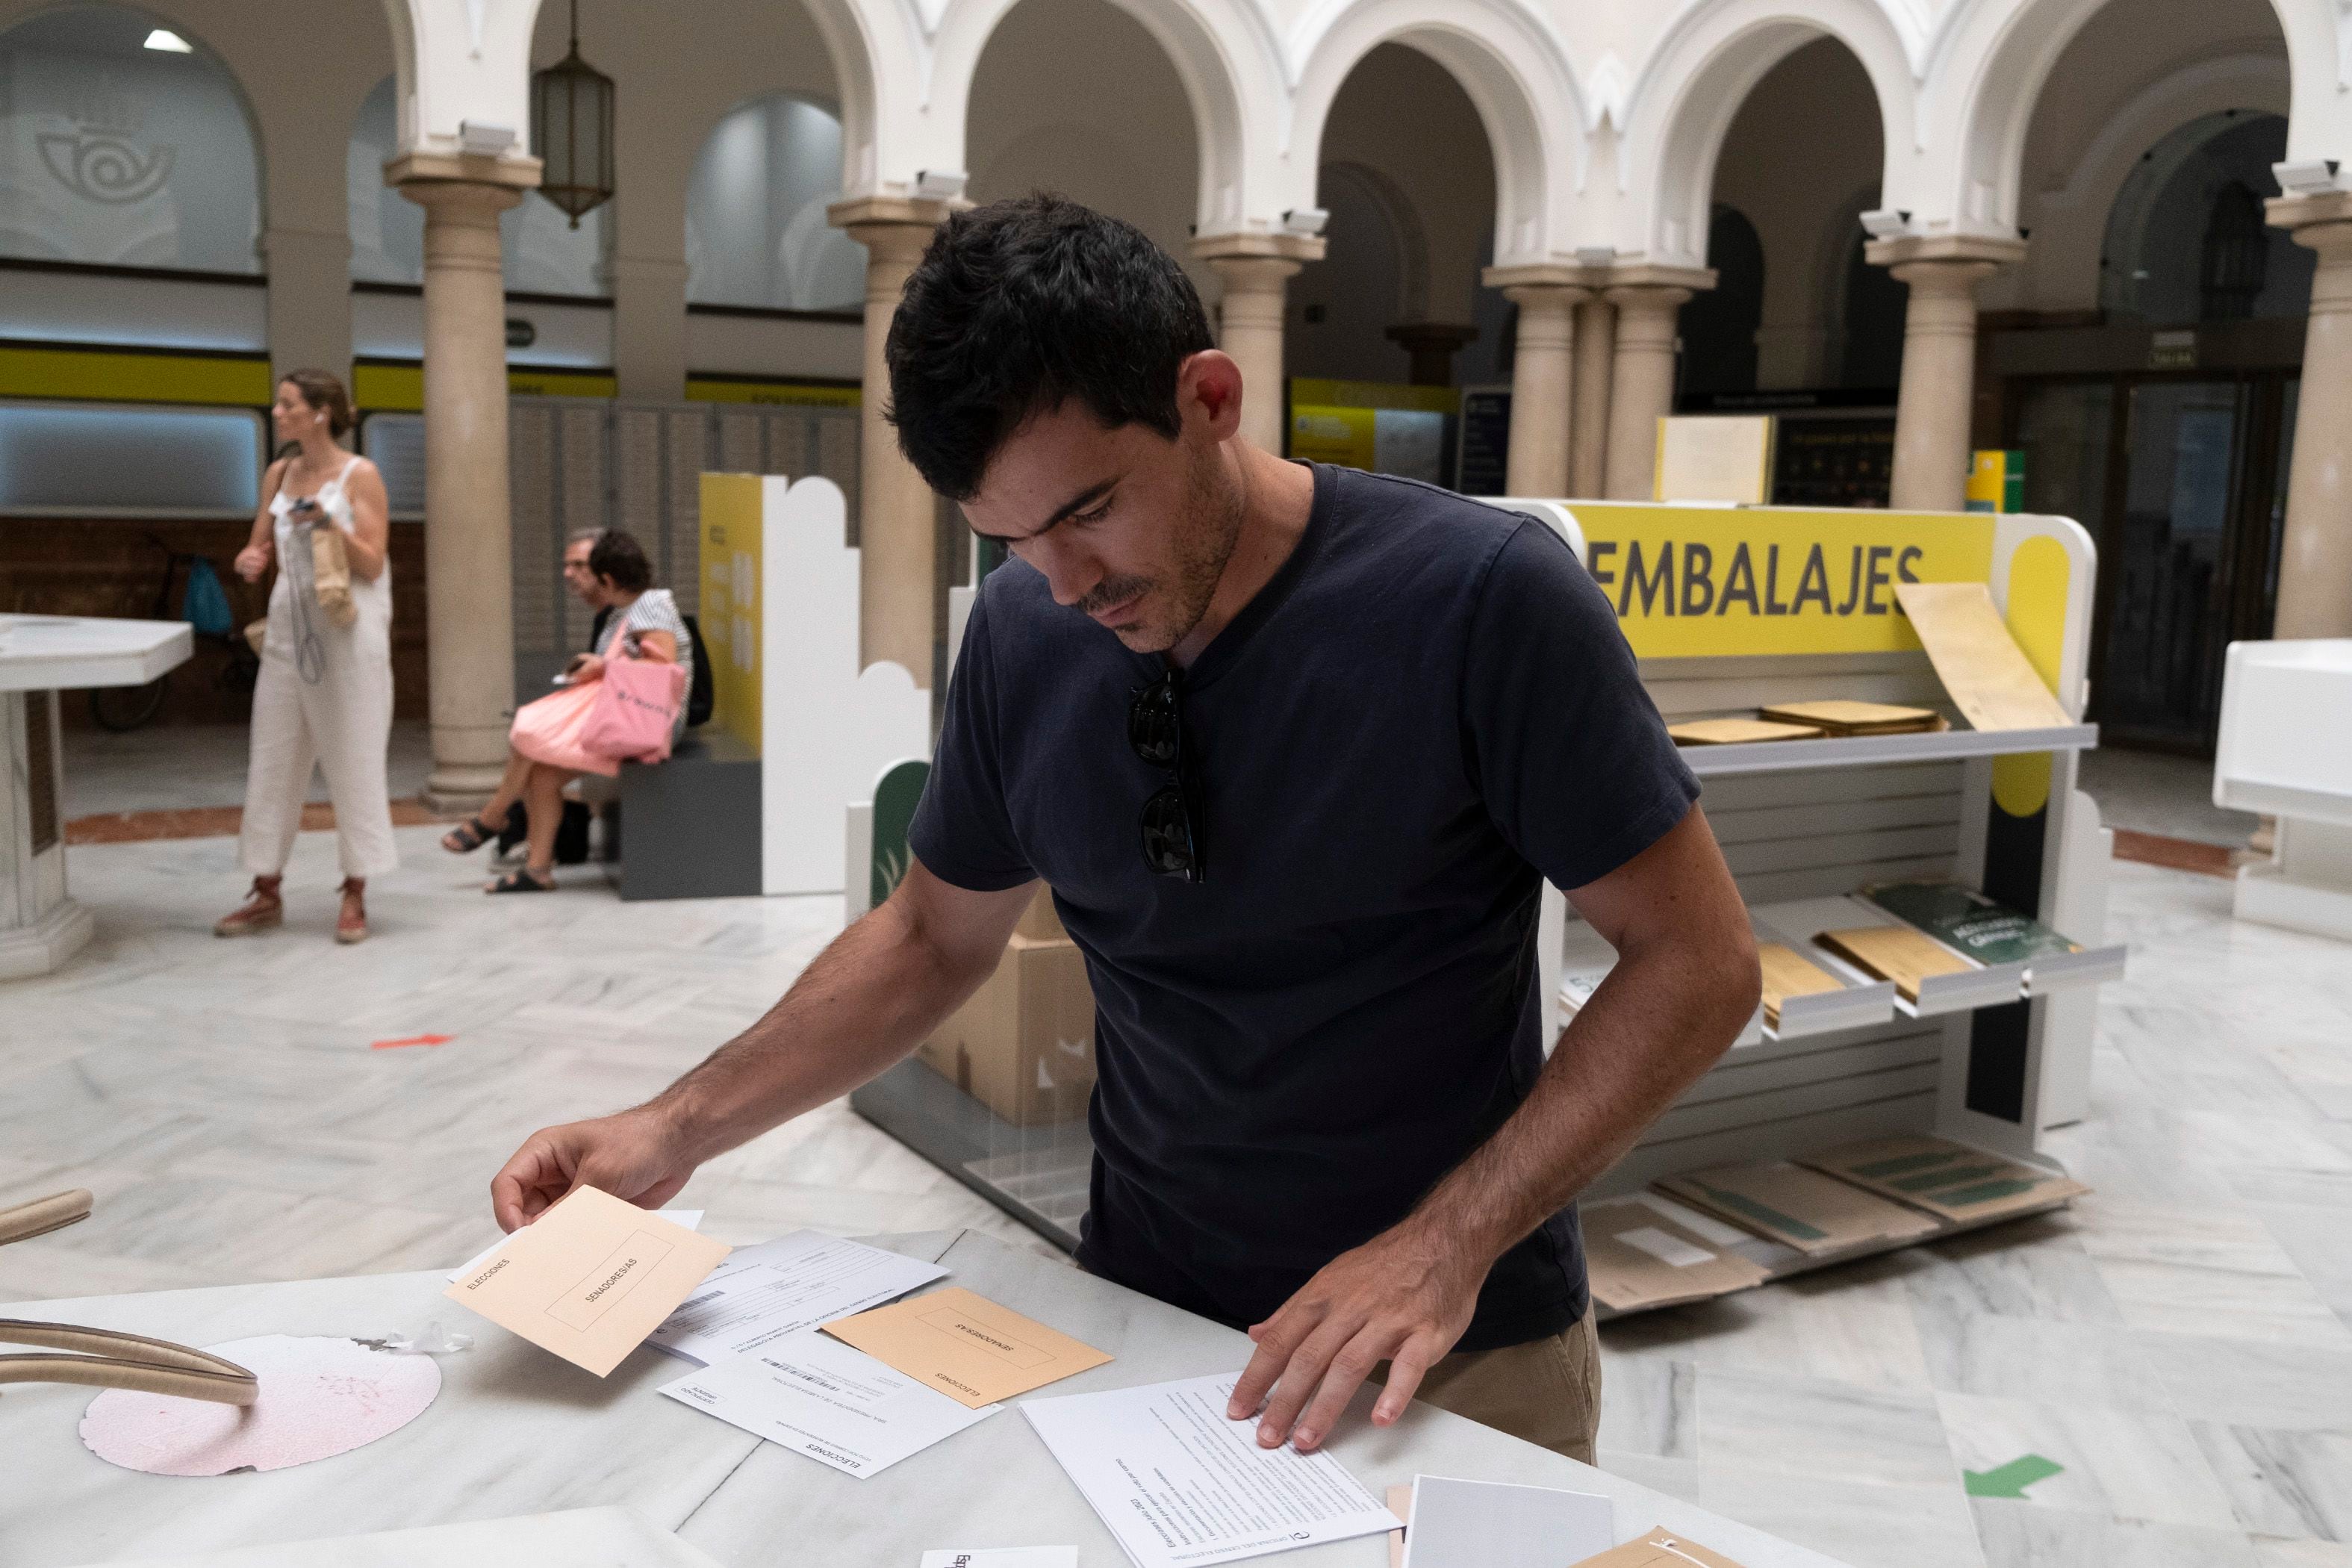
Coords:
pixel 98 161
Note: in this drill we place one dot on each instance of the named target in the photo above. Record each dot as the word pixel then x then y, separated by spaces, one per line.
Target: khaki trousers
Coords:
pixel 1546 1391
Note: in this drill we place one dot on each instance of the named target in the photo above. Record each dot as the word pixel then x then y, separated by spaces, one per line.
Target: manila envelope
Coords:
pixel 1662 1547
pixel 966 1346
pixel 590 1278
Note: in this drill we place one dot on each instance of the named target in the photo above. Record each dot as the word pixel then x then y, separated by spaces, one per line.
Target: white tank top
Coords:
pixel 373 597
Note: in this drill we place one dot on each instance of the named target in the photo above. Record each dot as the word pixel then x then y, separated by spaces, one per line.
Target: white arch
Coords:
pixel 1508 62
pixel 459 61
pixel 2069 223
pixel 1991 61
pixel 1694 83
pixel 1223 51
pixel 886 65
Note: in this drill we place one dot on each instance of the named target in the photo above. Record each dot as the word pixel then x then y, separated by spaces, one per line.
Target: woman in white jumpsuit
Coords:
pixel 325 691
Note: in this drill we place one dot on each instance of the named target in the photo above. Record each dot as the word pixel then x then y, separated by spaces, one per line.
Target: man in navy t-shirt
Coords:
pixel 1294 746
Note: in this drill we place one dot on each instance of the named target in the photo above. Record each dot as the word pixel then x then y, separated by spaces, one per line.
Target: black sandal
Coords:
pixel 520 880
pixel 468 837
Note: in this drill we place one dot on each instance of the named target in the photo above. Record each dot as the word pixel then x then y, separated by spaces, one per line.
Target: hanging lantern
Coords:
pixel 572 131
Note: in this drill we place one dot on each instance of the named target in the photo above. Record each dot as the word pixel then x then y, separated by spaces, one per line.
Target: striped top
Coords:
pixel 656 610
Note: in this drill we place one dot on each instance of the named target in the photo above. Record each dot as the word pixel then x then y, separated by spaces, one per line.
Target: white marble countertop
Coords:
pixel 517 1432
pixel 579 1538
pixel 51 653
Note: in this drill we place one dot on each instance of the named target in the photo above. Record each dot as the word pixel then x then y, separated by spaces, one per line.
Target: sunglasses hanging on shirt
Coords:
pixel 1173 842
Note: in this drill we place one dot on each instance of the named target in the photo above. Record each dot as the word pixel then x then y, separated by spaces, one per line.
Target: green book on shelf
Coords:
pixel 1969 923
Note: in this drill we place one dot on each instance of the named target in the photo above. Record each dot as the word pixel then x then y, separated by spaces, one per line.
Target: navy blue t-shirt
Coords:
pixel 1429 706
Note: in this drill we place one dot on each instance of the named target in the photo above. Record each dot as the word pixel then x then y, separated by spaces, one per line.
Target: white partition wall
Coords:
pixel 827 726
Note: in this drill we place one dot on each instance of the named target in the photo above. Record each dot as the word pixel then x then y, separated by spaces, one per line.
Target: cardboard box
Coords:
pixel 1818 1214
pixel 1024 1045
pixel 1949 1180
pixel 1637 1258
pixel 1039 922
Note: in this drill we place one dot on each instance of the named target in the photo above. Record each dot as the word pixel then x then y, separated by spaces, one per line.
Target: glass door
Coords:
pixel 2165 567
pixel 2182 481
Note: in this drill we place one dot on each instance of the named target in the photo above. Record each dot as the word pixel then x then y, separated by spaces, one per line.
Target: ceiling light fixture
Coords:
pixel 166 41
pixel 572 131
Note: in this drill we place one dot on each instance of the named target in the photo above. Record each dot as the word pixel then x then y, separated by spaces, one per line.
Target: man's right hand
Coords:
pixel 636 1155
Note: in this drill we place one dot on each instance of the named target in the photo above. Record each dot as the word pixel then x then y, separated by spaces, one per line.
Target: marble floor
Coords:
pixel 2180 1342
pixel 179 766
pixel 2155 792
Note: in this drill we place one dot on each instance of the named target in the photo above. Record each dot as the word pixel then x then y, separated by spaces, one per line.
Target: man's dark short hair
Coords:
pixel 1021 306
pixel 618 556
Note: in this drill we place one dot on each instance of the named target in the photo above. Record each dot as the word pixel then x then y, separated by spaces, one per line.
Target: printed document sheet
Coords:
pixel 820 1397
pixel 762 1293
pixel 1180 1485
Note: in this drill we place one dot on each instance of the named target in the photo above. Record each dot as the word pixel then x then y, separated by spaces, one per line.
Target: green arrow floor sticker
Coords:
pixel 2012 1478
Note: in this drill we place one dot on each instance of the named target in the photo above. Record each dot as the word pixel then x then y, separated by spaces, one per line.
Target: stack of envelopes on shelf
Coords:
pixel 1861 944
pixel 1959 1184
pixel 1987 932
pixel 1840 717
pixel 1815 1214
pixel 1640 1252
pixel 1737 732
pixel 1804 994
pixel 1706 1233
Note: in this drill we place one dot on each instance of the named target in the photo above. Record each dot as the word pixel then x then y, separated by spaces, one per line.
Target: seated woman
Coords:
pixel 647 618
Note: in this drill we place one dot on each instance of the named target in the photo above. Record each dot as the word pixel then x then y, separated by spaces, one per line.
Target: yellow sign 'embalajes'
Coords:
pixel 1692 581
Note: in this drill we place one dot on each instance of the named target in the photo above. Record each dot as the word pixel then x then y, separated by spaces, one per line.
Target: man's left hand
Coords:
pixel 1405 1296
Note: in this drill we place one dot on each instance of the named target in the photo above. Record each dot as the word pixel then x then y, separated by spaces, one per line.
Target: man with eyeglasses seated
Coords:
pixel 1292 745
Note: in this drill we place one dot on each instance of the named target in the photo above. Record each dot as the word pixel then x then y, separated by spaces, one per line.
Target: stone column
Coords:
pixel 1256 270
pixel 1588 430
pixel 1543 370
pixel 897 516
pixel 309 305
pixel 468 553
pixel 1642 384
pixel 2315 592
pixel 1933 409
pixel 649 327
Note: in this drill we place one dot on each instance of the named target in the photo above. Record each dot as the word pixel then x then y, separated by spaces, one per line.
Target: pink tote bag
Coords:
pixel 636 710
pixel 549 730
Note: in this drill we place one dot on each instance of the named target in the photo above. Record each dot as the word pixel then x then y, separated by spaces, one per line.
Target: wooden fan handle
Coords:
pixel 143 1377
pixel 109 1343
pixel 43 1214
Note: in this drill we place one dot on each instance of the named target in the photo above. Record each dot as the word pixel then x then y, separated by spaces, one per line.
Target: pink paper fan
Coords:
pixel 319 1397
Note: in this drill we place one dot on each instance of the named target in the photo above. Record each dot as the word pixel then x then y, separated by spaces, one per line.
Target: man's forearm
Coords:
pixel 1650 1031
pixel 866 1001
